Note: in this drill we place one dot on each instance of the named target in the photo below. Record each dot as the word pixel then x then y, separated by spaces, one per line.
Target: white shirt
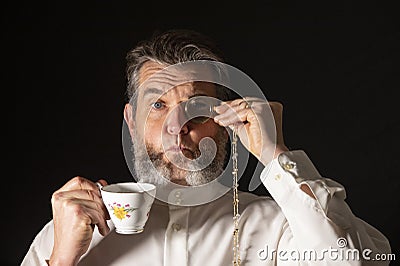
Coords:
pixel 290 229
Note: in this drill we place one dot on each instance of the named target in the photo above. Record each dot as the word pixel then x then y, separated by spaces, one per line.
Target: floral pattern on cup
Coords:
pixel 121 211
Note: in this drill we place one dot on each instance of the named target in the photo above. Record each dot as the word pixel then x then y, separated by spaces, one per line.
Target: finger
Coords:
pixel 86 195
pixel 249 100
pixel 231 118
pixel 79 182
pixel 102 182
pixel 99 220
pixel 228 111
pixel 92 195
pixel 242 132
pixel 222 108
pixel 237 103
pixel 92 214
pixel 254 99
pixel 87 212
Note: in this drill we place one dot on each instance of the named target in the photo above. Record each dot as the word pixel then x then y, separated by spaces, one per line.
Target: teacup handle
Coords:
pixel 99 186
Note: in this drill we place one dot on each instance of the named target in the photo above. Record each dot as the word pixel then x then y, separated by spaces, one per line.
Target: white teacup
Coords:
pixel 128 204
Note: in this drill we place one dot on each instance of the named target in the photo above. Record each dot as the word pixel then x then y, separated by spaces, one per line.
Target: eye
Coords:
pixel 157 105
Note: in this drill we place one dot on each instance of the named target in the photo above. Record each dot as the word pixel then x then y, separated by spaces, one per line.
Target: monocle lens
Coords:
pixel 201 108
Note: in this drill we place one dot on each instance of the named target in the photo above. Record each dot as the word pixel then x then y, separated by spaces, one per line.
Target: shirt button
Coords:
pixel 277 177
pixel 176 227
pixel 178 201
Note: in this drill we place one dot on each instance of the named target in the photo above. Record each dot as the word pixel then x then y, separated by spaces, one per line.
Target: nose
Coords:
pixel 175 122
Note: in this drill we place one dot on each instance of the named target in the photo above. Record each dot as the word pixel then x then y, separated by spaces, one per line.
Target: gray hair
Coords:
pixel 169 48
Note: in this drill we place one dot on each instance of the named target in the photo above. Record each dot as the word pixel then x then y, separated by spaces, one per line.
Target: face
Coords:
pixel 160 123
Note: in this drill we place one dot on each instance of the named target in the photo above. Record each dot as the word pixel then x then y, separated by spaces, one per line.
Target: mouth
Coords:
pixel 177 148
pixel 185 151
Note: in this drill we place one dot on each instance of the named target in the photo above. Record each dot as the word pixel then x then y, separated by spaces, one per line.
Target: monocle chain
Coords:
pixel 236 215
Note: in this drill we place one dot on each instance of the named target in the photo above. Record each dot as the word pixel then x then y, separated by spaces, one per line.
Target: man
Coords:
pixel 306 222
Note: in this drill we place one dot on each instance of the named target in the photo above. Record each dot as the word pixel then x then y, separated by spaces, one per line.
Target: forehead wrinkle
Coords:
pixel 154 72
pixel 160 90
pixel 151 71
pixel 179 92
pixel 167 81
pixel 165 85
pixel 154 75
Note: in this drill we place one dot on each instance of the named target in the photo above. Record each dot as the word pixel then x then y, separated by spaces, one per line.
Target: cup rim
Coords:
pixel 151 187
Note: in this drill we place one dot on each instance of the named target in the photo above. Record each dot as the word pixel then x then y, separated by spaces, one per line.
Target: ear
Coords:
pixel 129 118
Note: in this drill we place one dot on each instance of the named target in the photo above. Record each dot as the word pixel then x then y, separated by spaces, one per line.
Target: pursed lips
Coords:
pixel 181 148
pixel 177 149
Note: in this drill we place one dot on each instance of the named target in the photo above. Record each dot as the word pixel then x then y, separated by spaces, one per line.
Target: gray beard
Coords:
pixel 150 167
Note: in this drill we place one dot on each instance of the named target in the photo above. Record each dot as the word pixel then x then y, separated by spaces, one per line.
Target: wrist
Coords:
pixel 268 155
pixel 62 261
pixel 279 149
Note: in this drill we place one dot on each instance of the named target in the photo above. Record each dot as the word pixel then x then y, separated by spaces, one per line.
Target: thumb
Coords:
pixel 102 182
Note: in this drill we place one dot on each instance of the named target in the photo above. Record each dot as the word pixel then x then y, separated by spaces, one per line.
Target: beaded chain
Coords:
pixel 236 215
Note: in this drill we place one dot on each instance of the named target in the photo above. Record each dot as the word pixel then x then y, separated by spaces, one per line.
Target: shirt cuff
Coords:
pixel 285 174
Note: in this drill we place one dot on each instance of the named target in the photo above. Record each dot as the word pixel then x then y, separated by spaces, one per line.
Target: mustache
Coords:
pixel 189 151
pixel 150 162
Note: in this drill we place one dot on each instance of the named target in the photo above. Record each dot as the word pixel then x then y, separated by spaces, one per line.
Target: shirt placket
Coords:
pixel 176 237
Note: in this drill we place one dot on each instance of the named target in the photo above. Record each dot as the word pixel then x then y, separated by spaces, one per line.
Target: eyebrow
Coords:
pixel 156 91
pixel 152 91
pixel 197 95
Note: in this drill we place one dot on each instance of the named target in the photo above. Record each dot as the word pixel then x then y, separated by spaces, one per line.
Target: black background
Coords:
pixel 334 66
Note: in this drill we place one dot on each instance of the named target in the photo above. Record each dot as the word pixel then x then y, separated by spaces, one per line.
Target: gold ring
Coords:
pixel 246 106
